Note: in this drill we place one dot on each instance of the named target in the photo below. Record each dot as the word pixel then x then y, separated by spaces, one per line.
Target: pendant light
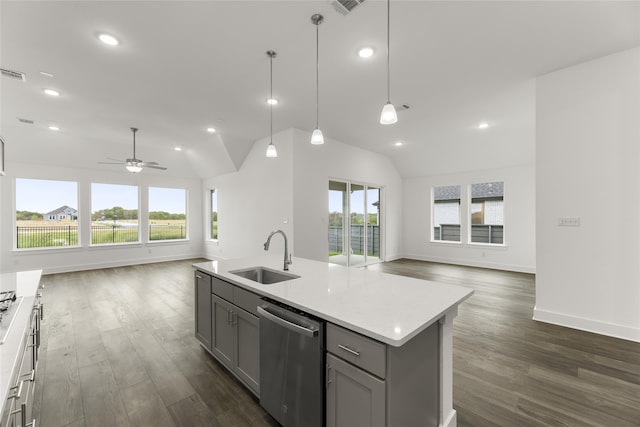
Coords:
pixel 271 149
pixel 316 136
pixel 388 116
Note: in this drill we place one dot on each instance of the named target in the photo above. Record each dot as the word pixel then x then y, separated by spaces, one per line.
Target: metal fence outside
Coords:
pixel 67 235
pixel 480 233
pixel 356 238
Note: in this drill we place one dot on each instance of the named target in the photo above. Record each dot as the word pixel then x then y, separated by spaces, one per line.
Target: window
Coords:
pixel 214 214
pixel 446 213
pixel 167 213
pixel 114 214
pixel 487 212
pixel 46 213
pixel 354 223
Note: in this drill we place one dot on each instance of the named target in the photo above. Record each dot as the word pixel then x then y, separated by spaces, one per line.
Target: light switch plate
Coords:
pixel 569 222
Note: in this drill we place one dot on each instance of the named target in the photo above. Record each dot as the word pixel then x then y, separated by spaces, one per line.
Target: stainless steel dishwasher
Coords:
pixel 291 365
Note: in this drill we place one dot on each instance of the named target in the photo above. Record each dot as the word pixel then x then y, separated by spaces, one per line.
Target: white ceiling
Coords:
pixel 183 66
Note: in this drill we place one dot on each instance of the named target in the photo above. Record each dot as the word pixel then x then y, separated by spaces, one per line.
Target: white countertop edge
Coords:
pixel 311 273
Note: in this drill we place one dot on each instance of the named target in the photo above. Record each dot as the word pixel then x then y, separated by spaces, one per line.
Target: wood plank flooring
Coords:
pixel 118 350
pixel 512 371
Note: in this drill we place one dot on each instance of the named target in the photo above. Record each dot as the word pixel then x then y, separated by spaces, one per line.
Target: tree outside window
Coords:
pixel 167 213
pixel 46 213
pixel 114 214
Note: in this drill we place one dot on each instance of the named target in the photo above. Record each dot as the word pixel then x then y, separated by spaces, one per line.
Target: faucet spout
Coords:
pixel 287 257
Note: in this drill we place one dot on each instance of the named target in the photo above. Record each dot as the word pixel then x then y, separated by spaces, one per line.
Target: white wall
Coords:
pixel 314 166
pixel 294 187
pixel 253 202
pixel 588 166
pixel 82 258
pixel 518 253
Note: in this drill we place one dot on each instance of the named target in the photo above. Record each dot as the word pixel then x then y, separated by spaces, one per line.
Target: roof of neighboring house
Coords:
pixel 478 191
pixel 62 209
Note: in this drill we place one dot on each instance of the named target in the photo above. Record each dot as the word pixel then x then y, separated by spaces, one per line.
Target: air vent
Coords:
pixel 27 121
pixel 17 75
pixel 403 107
pixel 346 6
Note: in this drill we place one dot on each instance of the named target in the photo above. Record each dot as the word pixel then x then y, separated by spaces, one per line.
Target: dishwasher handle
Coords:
pixel 287 324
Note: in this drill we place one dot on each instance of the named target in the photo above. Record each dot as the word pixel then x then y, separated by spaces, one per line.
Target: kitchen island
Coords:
pixel 376 310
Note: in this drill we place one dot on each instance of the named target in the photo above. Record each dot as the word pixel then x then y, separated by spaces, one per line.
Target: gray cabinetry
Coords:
pixel 234 328
pixel 18 409
pixel 202 291
pixel 371 384
pixel 355 398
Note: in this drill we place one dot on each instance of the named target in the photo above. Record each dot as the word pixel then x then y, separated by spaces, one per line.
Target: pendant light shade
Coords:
pixel 316 136
pixel 388 115
pixel 271 149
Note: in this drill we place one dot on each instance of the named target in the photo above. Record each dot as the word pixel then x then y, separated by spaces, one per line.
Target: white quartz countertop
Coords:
pixel 386 307
pixel 25 284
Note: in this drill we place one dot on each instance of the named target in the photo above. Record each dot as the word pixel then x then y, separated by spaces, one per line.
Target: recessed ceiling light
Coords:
pixel 108 39
pixel 366 52
pixel 272 101
pixel 483 125
pixel 398 143
pixel 211 130
pixel 54 127
pixel 51 92
pixel 177 148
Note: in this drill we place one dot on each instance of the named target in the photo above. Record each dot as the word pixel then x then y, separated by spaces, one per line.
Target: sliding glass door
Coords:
pixel 354 223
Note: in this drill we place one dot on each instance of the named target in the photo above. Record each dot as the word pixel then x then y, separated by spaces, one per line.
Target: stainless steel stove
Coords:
pixel 9 304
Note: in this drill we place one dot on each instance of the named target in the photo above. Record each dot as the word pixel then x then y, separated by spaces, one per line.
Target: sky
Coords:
pixel 42 196
pixel 357 201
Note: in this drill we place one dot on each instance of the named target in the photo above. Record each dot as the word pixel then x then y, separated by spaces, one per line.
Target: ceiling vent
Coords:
pixel 346 6
pixel 17 75
pixel 403 107
pixel 27 121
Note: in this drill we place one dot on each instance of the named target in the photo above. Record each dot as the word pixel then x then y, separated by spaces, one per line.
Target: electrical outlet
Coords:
pixel 569 222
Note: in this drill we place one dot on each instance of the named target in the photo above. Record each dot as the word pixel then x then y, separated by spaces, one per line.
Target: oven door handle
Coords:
pixel 287 324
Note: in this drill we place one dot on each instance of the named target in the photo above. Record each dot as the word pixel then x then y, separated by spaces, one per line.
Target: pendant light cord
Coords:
pixel 271 98
pixel 388 51
pixel 317 73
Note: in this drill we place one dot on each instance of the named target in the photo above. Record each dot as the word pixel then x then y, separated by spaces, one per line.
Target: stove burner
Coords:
pixel 6 298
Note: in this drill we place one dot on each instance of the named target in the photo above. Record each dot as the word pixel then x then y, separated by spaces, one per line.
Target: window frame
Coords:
pixel 433 216
pixel 148 213
pixel 210 213
pixel 138 228
pixel 470 213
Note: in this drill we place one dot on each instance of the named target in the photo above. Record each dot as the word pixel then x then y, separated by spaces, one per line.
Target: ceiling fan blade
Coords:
pixel 147 165
pixel 111 163
pixel 150 163
pixel 117 160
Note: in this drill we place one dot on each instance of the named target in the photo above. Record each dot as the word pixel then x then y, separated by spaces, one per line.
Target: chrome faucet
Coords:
pixel 287 257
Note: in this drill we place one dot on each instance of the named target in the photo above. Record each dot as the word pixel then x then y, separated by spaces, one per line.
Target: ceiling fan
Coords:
pixel 134 165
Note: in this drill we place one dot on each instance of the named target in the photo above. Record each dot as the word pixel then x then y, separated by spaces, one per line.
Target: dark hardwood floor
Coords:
pixel 118 350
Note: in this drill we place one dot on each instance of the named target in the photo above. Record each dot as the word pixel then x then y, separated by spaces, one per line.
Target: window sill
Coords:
pixel 167 242
pixel 45 249
pixel 497 246
pixel 446 242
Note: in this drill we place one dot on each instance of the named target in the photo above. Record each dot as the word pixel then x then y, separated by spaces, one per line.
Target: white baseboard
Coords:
pixel 589 325
pixel 116 263
pixel 451 420
pixel 473 263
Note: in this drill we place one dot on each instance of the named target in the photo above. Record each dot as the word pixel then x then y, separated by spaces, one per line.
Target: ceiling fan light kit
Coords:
pixel 133 164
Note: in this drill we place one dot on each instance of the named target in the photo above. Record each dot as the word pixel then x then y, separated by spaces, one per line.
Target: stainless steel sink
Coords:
pixel 264 275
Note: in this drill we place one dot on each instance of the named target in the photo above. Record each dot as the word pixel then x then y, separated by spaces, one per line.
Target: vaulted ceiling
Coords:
pixel 184 66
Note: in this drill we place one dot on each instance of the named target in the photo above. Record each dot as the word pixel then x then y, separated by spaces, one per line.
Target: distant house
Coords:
pixel 62 213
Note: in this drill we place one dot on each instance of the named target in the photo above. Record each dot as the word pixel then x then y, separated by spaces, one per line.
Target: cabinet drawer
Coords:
pixel 246 300
pixel 357 349
pixel 222 288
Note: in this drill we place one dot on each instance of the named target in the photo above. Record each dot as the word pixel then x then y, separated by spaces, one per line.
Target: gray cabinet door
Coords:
pixel 222 330
pixel 354 397
pixel 202 293
pixel 247 354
